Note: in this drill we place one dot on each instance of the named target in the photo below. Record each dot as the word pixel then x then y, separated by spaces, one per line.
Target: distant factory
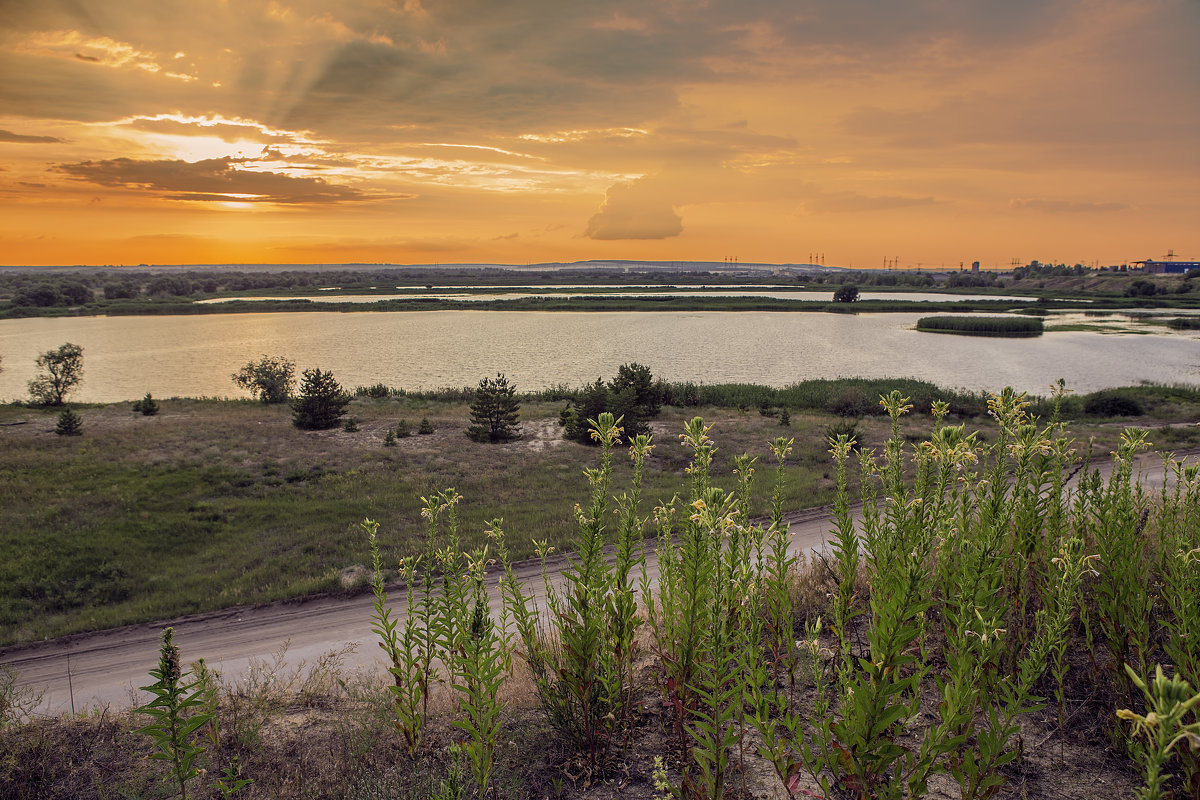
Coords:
pixel 1152 267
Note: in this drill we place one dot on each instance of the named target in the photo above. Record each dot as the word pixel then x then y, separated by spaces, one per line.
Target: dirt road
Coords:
pixel 98 669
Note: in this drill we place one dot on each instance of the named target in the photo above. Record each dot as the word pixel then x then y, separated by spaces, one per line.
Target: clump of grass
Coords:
pixel 982 326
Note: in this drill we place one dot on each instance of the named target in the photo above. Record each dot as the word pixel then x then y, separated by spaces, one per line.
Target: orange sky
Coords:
pixel 418 131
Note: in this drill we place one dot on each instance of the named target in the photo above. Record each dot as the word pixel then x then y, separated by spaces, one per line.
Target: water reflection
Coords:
pixel 195 355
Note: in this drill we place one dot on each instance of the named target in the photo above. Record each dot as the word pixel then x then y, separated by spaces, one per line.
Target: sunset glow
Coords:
pixel 419 131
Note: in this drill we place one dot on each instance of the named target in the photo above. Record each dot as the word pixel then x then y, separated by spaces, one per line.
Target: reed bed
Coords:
pixel 982 326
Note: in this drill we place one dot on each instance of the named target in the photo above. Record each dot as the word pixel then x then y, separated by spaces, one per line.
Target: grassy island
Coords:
pixel 982 326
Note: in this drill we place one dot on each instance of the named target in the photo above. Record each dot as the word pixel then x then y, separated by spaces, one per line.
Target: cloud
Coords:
pixel 1065 206
pixel 214 179
pixel 636 210
pixel 99 50
pixel 20 138
pixel 227 129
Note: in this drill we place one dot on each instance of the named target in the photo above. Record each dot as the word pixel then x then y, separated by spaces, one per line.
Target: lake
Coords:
pixel 124 357
pixel 450 293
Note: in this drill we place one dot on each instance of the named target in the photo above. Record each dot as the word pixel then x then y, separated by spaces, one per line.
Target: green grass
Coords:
pixel 213 503
pixel 982 326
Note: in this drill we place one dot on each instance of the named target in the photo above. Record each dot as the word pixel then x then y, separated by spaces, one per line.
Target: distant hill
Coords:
pixel 621 265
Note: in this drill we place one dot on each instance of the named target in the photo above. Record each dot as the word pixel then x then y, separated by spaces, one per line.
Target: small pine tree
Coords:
pixel 785 419
pixel 632 396
pixel 495 411
pixel 351 425
pixel 389 439
pixel 147 405
pixel 321 402
pixel 425 427
pixel 590 404
pixel 403 430
pixel 69 424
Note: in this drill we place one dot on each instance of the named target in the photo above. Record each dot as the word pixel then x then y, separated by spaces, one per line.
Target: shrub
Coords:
pixel 1112 404
pixel 1141 288
pixel 426 427
pixel 389 438
pixel 377 390
pixel 62 371
pixel 403 429
pixel 351 425
pixel 633 396
pixel 270 379
pixel 146 405
pixel 785 419
pixel 321 402
pixel 494 412
pixel 846 294
pixel 69 424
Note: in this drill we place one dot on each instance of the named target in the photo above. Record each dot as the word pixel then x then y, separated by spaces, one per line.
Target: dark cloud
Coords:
pixel 1065 206
pixel 214 179
pixel 637 210
pixel 20 138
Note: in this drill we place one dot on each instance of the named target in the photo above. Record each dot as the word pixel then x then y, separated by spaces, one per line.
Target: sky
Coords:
pixel 854 132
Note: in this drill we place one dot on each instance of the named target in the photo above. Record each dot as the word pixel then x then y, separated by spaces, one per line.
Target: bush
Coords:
pixel 389 438
pixel 146 405
pixel 785 419
pixel 426 427
pixel 377 390
pixel 633 396
pixel 69 424
pixel 494 412
pixel 1112 404
pixel 270 379
pixel 351 425
pixel 1141 288
pixel 846 294
pixel 403 429
pixel 321 402
pixel 62 371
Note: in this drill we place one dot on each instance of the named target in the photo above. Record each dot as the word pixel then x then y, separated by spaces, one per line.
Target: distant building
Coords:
pixel 974 266
pixel 1168 267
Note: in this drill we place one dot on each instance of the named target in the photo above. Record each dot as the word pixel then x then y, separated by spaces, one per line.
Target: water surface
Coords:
pixel 125 357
